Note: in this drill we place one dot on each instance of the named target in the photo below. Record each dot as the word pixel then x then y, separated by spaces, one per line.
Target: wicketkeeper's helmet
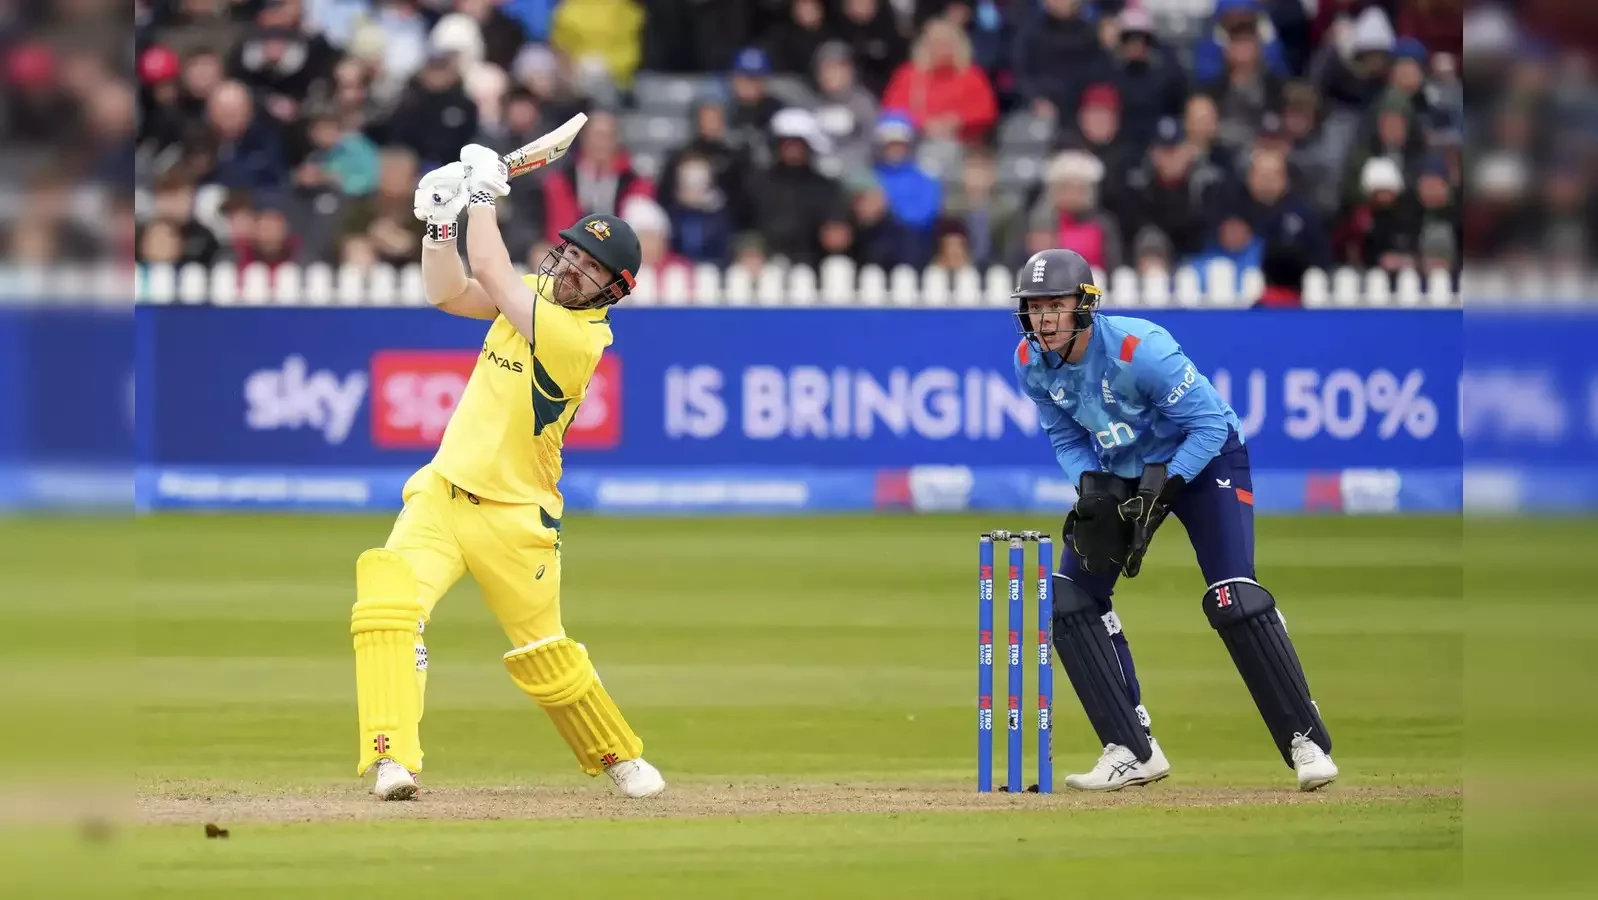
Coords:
pixel 1056 275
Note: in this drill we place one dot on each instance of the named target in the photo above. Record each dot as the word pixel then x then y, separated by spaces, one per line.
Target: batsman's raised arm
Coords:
pixel 439 199
pixel 487 181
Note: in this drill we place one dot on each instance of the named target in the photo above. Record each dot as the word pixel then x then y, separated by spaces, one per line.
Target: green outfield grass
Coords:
pixel 777 667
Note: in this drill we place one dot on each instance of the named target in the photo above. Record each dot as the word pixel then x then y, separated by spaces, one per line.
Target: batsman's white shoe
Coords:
pixel 394 782
pixel 1315 769
pixel 636 778
pixel 1119 768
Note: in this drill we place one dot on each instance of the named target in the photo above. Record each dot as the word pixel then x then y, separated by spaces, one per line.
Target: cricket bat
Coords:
pixel 546 149
pixel 540 153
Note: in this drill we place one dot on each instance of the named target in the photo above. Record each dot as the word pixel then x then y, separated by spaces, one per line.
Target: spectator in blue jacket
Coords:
pixel 1209 54
pixel 1278 213
pixel 702 223
pixel 249 153
pixel 532 15
pixel 914 197
pixel 1232 239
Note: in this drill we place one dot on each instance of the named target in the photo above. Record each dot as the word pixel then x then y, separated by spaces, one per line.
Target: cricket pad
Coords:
pixel 1244 614
pixel 388 691
pixel 557 674
pixel 1088 656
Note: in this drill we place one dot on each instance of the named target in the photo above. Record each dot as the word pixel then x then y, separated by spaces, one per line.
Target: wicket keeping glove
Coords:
pixel 485 173
pixel 1094 530
pixel 440 197
pixel 1146 509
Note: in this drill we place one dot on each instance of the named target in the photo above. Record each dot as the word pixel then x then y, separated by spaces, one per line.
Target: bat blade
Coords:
pixel 546 149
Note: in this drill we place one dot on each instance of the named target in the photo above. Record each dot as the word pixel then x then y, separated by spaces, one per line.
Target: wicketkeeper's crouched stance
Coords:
pixel 489 502
pixel 1145 435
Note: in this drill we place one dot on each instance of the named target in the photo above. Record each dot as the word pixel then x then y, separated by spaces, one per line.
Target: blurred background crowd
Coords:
pixel 1146 133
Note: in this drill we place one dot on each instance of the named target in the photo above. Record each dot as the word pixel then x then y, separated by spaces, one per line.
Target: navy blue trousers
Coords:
pixel 1217 509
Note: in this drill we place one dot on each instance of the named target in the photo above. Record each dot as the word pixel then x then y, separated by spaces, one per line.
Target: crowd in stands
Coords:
pixel 1150 133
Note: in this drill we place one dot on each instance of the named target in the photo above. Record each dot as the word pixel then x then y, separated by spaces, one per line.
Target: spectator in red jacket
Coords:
pixel 943 93
pixel 600 181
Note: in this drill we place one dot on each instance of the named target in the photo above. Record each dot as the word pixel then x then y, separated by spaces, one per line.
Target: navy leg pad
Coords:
pixel 1244 615
pixel 1089 658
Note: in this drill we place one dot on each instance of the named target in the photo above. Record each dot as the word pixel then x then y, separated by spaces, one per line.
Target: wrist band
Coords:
pixel 481 198
pixel 440 232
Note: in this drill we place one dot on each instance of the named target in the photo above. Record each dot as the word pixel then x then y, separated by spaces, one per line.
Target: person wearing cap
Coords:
pixel 164 118
pixel 1383 230
pixel 1434 191
pixel 489 502
pixel 1098 131
pixel 914 196
pixel 793 199
pixel 752 109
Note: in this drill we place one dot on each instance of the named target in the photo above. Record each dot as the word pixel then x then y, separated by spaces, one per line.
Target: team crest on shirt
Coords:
pixel 1109 395
pixel 599 229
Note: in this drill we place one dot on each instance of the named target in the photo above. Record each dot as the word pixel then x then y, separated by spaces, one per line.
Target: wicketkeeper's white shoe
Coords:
pixel 1119 768
pixel 1315 769
pixel 636 778
pixel 394 782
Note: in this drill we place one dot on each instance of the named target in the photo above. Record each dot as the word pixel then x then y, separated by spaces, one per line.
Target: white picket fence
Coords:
pixel 835 283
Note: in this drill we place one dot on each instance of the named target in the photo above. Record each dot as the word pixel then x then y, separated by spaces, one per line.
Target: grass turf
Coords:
pixel 815 650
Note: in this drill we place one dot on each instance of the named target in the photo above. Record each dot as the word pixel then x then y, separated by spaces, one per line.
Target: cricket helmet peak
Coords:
pixel 611 241
pixel 1056 274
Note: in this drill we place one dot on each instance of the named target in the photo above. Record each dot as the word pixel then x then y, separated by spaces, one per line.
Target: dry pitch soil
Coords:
pixel 177 803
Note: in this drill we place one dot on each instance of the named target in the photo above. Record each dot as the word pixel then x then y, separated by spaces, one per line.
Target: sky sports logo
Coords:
pixel 415 392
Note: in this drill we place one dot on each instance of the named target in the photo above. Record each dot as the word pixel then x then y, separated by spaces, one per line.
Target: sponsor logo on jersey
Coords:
pixel 1119 434
pixel 1189 378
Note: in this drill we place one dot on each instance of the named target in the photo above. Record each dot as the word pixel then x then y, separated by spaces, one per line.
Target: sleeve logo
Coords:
pixel 1189 378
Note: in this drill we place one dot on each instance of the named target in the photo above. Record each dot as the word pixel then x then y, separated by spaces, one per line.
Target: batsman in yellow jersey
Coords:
pixel 489 503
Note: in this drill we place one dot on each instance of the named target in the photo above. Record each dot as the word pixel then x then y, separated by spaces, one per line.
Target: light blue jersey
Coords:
pixel 1135 398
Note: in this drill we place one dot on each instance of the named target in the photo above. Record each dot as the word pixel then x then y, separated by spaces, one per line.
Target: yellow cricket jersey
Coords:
pixel 504 439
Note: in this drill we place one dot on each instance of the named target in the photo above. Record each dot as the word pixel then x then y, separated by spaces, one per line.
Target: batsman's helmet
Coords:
pixel 614 244
pixel 1056 274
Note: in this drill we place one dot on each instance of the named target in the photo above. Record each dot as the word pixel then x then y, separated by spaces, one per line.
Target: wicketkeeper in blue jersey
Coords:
pixel 1144 434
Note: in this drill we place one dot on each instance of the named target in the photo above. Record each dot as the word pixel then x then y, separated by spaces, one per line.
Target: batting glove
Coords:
pixel 485 173
pixel 440 197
